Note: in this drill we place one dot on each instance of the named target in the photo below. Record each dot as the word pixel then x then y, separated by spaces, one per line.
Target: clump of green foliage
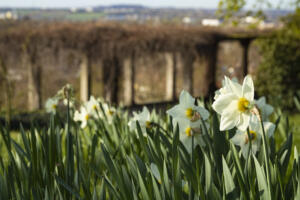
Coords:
pixel 278 75
pixel 106 160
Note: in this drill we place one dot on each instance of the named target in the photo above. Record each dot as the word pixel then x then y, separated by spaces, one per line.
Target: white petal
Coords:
pixel 203 112
pixel 254 124
pixel 223 101
pixel 177 111
pixel 255 147
pixel 248 88
pixel 244 122
pixel 236 88
pixel 187 142
pixel 228 120
pixel 198 140
pixel 238 138
pixel 186 100
pixel 245 150
pixel 269 128
pixel 83 124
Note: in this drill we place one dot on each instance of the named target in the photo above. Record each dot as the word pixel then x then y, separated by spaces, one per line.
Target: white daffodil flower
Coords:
pixel 186 109
pixel 109 112
pixel 93 106
pixel 143 118
pixel 235 104
pixel 241 137
pixel 51 105
pixel 187 129
pixel 265 109
pixel 71 102
pixel 83 116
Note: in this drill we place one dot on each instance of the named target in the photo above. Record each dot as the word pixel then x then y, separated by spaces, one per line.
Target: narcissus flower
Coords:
pixel 109 110
pixel 83 116
pixel 235 104
pixel 143 118
pixel 242 139
pixel 51 105
pixel 186 109
pixel 93 106
pixel 188 130
pixel 265 109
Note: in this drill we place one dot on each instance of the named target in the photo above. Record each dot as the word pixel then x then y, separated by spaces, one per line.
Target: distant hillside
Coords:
pixel 126 12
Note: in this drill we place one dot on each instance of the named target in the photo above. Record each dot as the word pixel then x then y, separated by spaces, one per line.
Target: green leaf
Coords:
pixel 262 181
pixel 144 192
pixel 228 182
pixel 208 175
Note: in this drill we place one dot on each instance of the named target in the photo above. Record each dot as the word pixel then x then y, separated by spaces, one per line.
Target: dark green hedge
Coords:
pixel 278 75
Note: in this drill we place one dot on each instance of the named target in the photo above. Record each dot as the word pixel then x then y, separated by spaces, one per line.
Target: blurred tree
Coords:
pixel 278 75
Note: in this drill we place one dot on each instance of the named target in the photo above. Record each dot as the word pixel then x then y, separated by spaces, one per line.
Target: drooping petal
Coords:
pixel 248 88
pixel 223 101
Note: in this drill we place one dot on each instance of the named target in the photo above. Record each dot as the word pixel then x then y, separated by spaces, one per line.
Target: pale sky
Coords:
pixel 84 3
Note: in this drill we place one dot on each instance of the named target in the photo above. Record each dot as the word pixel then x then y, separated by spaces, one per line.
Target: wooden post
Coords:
pixel 85 79
pixel 170 76
pixel 245 45
pixel 34 81
pixel 129 79
pixel 111 73
pixel 188 61
pixel 210 54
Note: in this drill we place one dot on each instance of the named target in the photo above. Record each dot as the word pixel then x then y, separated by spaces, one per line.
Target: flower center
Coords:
pixel 94 107
pixel 243 104
pixel 110 112
pixel 252 135
pixel 189 113
pixel 148 124
pixel 86 117
pixel 54 106
pixel 188 131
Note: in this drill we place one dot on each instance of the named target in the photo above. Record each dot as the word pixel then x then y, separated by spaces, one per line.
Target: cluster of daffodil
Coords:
pixel 88 110
pixel 64 95
pixel 91 109
pixel 237 107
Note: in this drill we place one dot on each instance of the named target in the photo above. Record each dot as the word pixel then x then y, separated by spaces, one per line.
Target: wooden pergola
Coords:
pixel 119 47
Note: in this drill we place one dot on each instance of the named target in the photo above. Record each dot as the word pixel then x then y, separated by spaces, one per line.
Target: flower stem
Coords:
pixel 266 153
pixel 190 183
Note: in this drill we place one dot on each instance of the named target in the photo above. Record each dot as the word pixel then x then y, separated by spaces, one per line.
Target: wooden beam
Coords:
pixel 210 54
pixel 170 76
pixel 129 80
pixel 187 61
pixel 245 46
pixel 85 79
pixel 34 73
